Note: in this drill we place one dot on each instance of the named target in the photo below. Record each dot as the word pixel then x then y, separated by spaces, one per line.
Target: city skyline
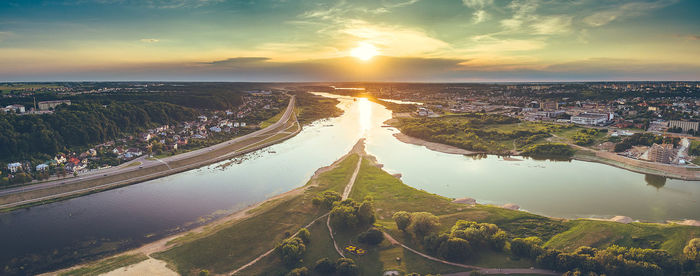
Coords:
pixel 412 40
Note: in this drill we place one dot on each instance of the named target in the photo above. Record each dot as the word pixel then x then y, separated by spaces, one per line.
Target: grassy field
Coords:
pixel 601 234
pixel 106 265
pixel 230 246
pixel 272 120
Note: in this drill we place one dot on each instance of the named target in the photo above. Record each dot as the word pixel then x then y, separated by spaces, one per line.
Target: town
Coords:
pixel 664 115
pixel 207 128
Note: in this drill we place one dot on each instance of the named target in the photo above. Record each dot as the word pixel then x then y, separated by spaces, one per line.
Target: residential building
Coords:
pixel 591 118
pixel 42 167
pixel 46 105
pixel 14 167
pixel 661 153
pixel 684 125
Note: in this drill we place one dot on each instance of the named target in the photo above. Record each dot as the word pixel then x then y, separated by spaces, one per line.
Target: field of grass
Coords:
pixel 273 119
pixel 601 234
pixel 230 246
pixel 106 265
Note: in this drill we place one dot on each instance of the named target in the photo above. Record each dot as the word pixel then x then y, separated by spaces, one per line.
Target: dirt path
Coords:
pixel 482 270
pixel 357 149
pixel 273 249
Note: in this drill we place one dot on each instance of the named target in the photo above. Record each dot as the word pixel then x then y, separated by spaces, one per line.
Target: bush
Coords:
pixel 423 223
pixel 527 247
pixel 304 235
pixel 402 219
pixel 346 267
pixel 549 150
pixel 324 267
pixel 291 251
pixel 372 236
pixel 692 250
pixel 302 271
pixel 326 199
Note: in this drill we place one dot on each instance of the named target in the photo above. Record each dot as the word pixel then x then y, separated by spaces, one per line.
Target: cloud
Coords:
pixel 480 16
pixel 238 61
pixel 552 25
pixel 149 40
pixel 623 11
pixel 393 40
pixel 477 4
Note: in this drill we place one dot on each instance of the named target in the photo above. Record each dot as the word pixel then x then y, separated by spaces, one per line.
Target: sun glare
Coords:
pixel 364 51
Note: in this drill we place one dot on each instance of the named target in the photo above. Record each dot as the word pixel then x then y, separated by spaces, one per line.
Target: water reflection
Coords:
pixel 655 180
pixel 365 120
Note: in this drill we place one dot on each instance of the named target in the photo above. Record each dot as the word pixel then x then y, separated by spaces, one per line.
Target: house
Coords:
pixel 146 137
pixel 242 124
pixel 42 167
pixel 60 159
pixel 17 108
pixel 215 129
pixel 202 118
pixel 14 167
pixel 134 152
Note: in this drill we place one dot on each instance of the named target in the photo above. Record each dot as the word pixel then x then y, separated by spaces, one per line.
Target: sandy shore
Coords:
pixel 432 145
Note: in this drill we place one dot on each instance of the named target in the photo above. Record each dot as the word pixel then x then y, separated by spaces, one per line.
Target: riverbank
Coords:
pixel 321 177
pixel 582 154
pixel 249 233
pixel 286 127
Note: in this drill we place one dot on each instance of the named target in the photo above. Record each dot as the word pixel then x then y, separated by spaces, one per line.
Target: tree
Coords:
pixel 291 250
pixel 692 250
pixel 326 199
pixel 372 236
pixel 423 223
pixel 304 235
pixel 402 219
pixel 366 212
pixel 346 267
pixel 527 247
pixel 458 249
pixel 345 214
pixel 324 267
pixel 301 271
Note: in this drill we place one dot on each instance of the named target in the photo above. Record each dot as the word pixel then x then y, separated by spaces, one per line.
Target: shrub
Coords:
pixel 423 223
pixel 291 251
pixel 304 235
pixel 346 267
pixel 302 271
pixel 324 267
pixel 402 219
pixel 372 236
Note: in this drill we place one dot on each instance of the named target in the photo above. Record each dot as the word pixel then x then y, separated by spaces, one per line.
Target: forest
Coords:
pixel 81 124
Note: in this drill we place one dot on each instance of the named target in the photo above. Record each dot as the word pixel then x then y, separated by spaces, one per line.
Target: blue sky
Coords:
pixel 286 40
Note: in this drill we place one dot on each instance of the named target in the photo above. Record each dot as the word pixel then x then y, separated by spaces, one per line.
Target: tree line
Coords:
pixel 81 124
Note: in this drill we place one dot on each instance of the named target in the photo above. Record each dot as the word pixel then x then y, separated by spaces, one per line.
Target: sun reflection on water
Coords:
pixel 365 120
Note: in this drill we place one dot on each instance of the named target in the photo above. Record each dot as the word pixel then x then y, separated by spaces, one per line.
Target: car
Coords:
pixel 140 167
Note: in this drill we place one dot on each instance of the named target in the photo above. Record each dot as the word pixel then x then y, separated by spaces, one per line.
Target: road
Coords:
pixel 150 169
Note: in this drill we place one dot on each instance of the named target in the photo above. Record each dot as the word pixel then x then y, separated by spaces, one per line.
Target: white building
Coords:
pixel 41 167
pixel 591 118
pixel 13 167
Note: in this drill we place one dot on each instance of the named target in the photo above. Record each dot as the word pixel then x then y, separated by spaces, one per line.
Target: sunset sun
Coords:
pixel 364 51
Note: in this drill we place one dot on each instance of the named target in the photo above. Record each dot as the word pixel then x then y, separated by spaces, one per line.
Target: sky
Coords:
pixel 359 40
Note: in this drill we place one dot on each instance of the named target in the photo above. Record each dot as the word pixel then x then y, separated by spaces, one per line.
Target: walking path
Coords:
pixel 358 148
pixel 346 193
pixel 273 249
pixel 482 270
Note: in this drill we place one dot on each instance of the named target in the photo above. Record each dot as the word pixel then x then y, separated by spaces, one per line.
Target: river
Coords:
pixel 60 234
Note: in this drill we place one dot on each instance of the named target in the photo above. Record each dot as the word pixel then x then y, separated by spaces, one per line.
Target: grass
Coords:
pixel 273 119
pixel 106 265
pixel 227 247
pixel 601 234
